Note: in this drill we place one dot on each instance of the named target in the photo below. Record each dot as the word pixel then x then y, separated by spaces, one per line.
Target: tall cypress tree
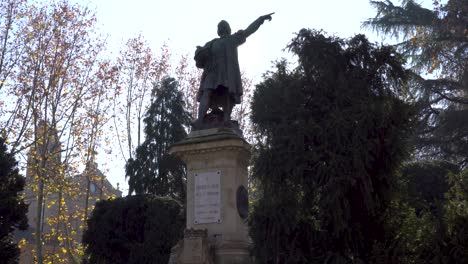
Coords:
pixel 12 207
pixel 153 170
pixel 331 132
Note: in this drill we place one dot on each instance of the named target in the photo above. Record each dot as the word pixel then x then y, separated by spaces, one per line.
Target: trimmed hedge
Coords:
pixel 133 229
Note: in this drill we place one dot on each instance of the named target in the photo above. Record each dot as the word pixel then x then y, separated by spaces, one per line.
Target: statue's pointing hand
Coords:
pixel 265 17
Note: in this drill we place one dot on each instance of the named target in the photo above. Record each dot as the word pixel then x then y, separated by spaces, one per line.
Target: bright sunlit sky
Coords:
pixel 184 24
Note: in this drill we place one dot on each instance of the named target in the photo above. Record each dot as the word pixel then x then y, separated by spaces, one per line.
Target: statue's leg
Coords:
pixel 229 105
pixel 204 104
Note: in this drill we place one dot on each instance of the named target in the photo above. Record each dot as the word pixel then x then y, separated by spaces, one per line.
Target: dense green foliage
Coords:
pixel 454 228
pixel 338 131
pixel 436 43
pixel 12 207
pixel 426 183
pixel 430 213
pixel 135 229
pixel 153 170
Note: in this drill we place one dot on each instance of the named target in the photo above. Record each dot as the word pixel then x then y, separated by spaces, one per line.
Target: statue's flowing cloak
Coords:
pixel 222 68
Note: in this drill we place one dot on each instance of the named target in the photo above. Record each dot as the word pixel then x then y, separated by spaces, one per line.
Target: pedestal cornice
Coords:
pixel 210 140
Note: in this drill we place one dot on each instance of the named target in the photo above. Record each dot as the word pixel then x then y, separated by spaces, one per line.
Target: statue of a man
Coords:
pixel 221 84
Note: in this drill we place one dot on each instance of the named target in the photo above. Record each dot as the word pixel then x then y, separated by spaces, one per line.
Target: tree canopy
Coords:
pixel 338 129
pixel 436 43
pixel 426 216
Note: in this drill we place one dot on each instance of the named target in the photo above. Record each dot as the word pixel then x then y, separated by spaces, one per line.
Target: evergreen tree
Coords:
pixel 436 43
pixel 153 170
pixel 431 207
pixel 12 207
pixel 331 132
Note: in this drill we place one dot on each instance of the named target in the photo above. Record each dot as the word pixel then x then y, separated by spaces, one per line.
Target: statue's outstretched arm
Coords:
pixel 256 24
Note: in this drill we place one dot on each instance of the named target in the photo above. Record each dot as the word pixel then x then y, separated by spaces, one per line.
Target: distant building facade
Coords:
pixel 67 203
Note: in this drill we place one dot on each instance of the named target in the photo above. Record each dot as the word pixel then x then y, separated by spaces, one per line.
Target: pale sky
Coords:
pixel 184 24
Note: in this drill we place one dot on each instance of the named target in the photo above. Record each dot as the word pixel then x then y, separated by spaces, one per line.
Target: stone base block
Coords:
pixel 195 249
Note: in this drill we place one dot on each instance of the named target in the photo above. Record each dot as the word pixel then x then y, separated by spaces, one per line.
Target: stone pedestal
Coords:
pixel 217 200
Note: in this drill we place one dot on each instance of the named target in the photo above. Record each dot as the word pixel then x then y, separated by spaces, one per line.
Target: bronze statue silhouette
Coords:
pixel 221 84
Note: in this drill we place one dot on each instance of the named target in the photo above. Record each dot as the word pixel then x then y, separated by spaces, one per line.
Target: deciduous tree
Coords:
pixel 55 74
pixel 138 70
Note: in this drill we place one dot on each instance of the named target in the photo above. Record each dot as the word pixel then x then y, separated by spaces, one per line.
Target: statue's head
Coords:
pixel 224 29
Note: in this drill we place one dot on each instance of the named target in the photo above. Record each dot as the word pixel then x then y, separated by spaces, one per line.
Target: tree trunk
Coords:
pixel 59 212
pixel 88 185
pixel 40 200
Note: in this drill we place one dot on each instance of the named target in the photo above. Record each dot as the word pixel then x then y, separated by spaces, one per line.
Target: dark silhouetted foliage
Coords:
pixel 448 242
pixel 12 207
pixel 331 132
pixel 135 229
pixel 426 183
pixel 153 170
pixel 420 214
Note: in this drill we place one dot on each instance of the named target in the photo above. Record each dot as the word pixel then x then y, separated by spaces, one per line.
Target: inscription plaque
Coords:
pixel 207 200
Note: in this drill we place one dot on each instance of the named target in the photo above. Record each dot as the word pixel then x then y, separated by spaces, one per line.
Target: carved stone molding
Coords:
pixel 195 233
